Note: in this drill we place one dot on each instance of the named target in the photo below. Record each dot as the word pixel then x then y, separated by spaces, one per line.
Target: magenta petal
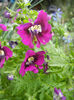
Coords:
pixel 0 44
pixel 30 20
pixel 40 58
pixel 18 10
pixel 40 53
pixel 25 34
pixel 26 38
pixel 2 62
pixel 42 40
pixel 42 19
pixel 22 31
pixel 32 67
pixel 49 17
pixel 8 52
pixel 27 69
pixel 48 31
pixel 40 67
pixel 22 70
pixel 29 53
pixel 28 41
pixel 38 44
pixel 3 27
pixel 35 70
pixel 45 36
pixel 24 26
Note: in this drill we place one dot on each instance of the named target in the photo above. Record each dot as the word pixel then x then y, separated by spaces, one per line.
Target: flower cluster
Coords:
pixel 39 32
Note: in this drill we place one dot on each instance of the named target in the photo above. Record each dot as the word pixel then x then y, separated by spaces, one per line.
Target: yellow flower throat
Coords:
pixel 1 53
pixel 30 60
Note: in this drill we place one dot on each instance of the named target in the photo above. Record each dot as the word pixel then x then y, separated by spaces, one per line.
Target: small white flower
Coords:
pixel 26 1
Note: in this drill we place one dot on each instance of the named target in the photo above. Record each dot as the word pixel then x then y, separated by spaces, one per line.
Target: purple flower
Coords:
pixel 46 67
pixel 10 77
pixel 7 14
pixel 58 9
pixel 13 44
pixel 18 10
pixel 57 15
pixel 39 32
pixel 54 18
pixel 58 95
pixel 32 62
pixel 30 20
pixel 67 39
pixel 48 57
pixel 3 27
pixel 64 38
pixel 5 52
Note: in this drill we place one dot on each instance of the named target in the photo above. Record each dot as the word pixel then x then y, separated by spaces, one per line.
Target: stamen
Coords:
pixel 1 53
pixel 30 59
pixel 35 29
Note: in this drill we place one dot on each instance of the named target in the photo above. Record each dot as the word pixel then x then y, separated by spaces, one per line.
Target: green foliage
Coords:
pixel 70 25
pixel 37 86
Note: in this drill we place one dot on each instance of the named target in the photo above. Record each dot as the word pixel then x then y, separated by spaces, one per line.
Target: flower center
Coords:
pixel 1 53
pixel 30 60
pixel 35 29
